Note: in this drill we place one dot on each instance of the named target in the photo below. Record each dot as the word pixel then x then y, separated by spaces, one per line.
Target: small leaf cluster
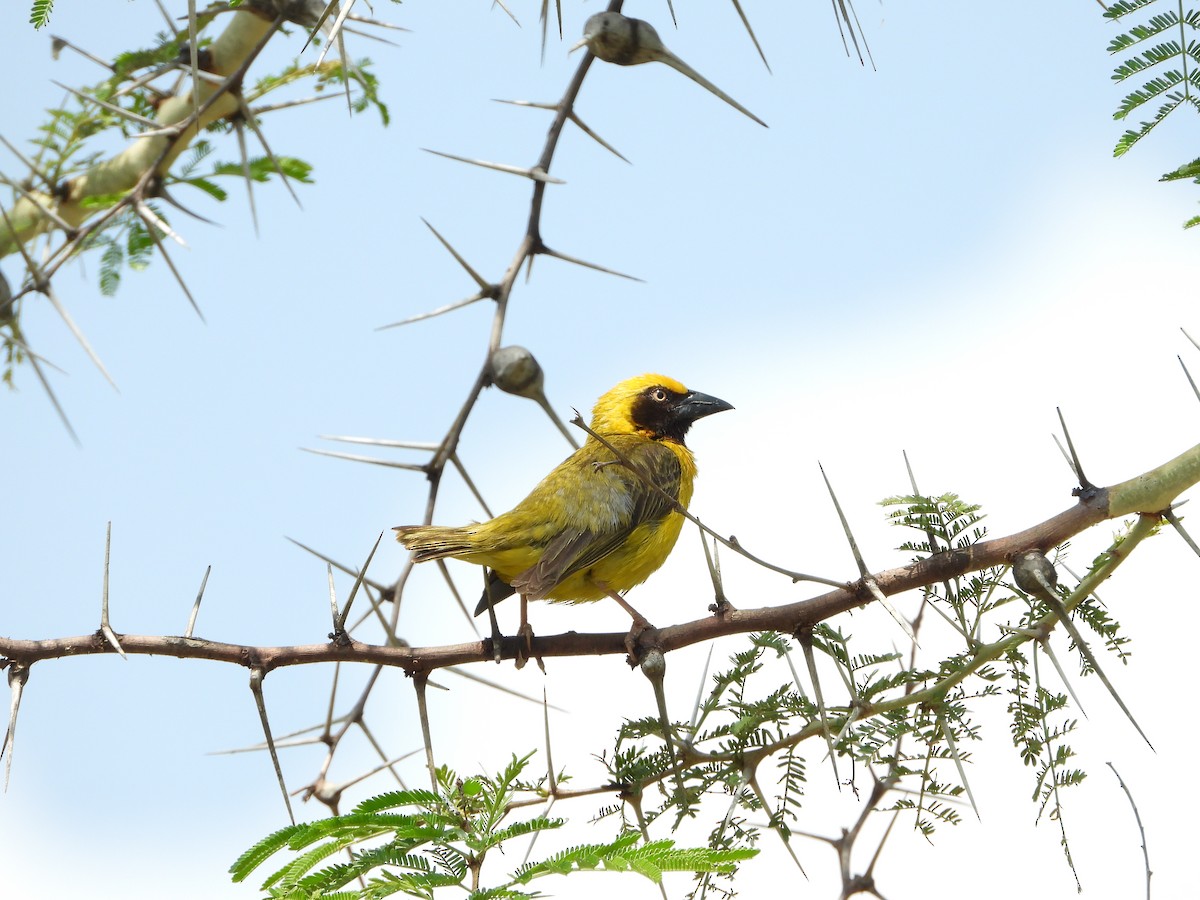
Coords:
pixel 89 129
pixel 1165 51
pixel 905 728
pixel 417 842
pixel 39 14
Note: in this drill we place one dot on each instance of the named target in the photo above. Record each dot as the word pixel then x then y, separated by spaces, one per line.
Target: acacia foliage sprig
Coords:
pixel 416 842
pixel 895 724
pixel 1164 50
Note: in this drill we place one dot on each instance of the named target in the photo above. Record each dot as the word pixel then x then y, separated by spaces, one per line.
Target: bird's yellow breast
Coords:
pixel 585 492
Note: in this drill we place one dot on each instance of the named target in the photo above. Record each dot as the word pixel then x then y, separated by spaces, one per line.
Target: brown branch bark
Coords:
pixel 1159 486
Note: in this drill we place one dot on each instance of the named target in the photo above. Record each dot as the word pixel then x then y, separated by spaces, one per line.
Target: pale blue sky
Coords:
pixel 929 257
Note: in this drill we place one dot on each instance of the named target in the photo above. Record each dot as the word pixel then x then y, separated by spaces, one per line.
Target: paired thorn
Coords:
pixel 507 12
pixel 18 677
pixel 441 310
pixel 191 625
pixel 1191 381
pixel 375 461
pixel 166 195
pixel 337 35
pixel 865 573
pixel 15 330
pixel 382 589
pixel 1044 642
pixel 551 777
pixel 844 14
pixel 240 131
pixel 573 117
pixel 1177 524
pixel 805 637
pixel 1190 338
pixel 79 335
pixel 62 415
pixel 536 173
pixel 712 559
pixel 256 679
pixel 948 734
pixel 556 254
pixel 766 805
pixel 420 679
pixel 339 619
pixel 544 18
pixel 487 291
pixel 105 627
pixel 194 59
pixel 34 170
pixel 248 117
pixel 695 723
pixel 750 31
pixel 158 245
pixel 1085 486
pixel 41 207
pixel 476 277
pixel 111 107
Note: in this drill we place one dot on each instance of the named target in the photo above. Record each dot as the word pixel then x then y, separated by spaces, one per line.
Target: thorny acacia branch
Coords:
pixel 1160 485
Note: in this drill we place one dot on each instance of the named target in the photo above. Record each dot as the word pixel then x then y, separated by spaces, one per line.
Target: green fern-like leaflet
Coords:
pixel 1165 48
pixel 416 842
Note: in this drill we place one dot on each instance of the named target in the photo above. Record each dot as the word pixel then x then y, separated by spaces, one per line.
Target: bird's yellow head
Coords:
pixel 654 406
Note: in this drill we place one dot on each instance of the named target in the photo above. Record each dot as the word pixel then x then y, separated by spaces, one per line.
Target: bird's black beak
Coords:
pixel 696 405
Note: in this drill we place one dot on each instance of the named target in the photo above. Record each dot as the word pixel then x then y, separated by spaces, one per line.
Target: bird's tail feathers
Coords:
pixel 435 541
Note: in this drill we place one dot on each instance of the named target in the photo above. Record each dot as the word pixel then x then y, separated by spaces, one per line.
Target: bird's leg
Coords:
pixel 640 623
pixel 497 637
pixel 525 633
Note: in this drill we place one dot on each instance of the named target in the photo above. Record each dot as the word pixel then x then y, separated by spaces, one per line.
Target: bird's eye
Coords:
pixel 658 394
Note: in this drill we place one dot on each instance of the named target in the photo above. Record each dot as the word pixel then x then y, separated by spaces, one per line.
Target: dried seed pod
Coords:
pixel 654 664
pixel 623 41
pixel 515 371
pixel 1027 566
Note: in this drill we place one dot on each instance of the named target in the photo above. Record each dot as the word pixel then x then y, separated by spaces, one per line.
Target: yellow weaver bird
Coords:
pixel 592 527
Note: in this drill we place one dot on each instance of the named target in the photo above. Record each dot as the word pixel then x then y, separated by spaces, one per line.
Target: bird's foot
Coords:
pixel 640 626
pixel 720 607
pixel 525 648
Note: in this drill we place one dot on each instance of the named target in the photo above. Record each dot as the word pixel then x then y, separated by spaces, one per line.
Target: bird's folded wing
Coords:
pixel 575 550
